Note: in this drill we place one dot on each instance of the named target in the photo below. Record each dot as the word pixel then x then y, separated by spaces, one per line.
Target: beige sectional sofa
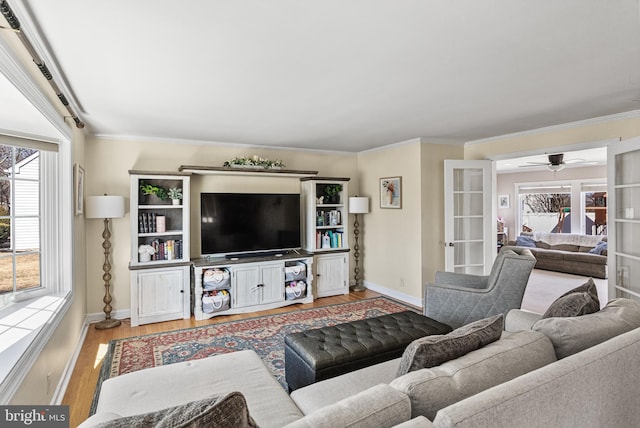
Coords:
pixel 566 252
pixel 515 381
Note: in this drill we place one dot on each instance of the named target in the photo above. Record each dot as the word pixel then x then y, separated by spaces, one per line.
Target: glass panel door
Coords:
pixel 624 219
pixel 470 227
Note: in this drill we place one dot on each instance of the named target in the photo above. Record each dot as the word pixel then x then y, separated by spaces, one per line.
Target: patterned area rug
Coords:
pixel 265 335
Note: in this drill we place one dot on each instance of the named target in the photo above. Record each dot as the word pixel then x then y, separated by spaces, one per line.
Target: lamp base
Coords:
pixel 105 324
pixel 359 288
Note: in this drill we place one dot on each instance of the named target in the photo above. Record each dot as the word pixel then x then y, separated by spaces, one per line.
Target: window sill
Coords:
pixel 25 328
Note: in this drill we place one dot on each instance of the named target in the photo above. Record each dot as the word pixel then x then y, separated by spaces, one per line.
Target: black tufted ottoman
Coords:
pixel 322 353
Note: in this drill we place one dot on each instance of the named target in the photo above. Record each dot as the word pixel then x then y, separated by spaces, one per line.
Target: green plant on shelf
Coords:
pixel 150 189
pixel 332 193
pixel 254 161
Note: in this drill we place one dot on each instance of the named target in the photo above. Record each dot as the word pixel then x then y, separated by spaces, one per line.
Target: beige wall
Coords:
pixel 108 163
pixel 57 353
pixel 554 137
pixel 402 247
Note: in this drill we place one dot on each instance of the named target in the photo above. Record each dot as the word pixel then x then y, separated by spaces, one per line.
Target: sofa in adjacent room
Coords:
pixel 578 371
pixel 584 255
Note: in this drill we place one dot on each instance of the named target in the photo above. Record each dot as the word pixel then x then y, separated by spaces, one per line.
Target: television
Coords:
pixel 243 224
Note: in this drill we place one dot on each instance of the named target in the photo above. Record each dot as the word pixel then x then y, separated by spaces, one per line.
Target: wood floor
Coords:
pixel 79 393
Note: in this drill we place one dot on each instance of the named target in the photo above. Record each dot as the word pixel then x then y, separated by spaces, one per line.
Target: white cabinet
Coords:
pixel 159 257
pixel 257 284
pixel 159 294
pixel 332 274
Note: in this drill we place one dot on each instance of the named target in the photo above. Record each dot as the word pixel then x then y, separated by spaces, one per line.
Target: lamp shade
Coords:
pixel 104 207
pixel 359 205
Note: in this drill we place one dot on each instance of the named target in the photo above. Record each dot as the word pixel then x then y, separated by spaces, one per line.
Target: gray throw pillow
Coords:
pixel 431 351
pixel 581 300
pixel 226 411
pixel 575 334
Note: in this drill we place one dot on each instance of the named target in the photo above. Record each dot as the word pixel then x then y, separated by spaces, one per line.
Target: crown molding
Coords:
pixel 569 125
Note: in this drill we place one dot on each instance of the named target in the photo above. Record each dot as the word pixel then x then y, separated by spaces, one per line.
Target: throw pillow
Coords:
pixel 600 248
pixel 575 334
pixel 431 351
pixel 581 300
pixel 525 241
pixel 226 411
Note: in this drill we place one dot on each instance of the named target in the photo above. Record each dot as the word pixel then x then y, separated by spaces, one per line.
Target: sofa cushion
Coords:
pixel 379 406
pixel 543 245
pixel 513 355
pixel 590 258
pixel 156 388
pixel 581 300
pixel 565 247
pixel 430 351
pixel 575 334
pixel 525 241
pixel 228 411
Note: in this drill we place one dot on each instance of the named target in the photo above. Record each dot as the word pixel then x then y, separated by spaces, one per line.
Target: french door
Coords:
pixel 470 216
pixel 624 218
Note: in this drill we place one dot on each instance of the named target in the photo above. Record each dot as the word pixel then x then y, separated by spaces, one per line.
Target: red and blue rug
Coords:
pixel 265 335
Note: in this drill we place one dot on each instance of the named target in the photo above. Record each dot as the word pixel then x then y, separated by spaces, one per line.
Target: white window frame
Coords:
pixel 48 310
pixel 577 199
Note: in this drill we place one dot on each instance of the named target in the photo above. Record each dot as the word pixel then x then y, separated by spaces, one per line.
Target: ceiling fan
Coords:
pixel 556 162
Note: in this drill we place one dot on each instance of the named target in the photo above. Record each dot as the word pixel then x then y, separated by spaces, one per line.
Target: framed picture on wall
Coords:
pixel 503 201
pixel 391 192
pixel 78 184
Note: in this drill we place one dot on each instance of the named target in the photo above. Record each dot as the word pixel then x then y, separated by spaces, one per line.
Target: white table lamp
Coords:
pixel 357 205
pixel 105 207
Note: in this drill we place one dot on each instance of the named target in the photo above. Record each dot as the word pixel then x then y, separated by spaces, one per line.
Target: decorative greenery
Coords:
pixel 150 189
pixel 175 193
pixel 254 161
pixel 332 193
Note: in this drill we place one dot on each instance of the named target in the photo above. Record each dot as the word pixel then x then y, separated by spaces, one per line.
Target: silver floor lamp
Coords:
pixel 357 205
pixel 106 207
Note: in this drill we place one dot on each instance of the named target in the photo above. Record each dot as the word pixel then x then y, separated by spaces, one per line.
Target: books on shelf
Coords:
pixel 167 250
pixel 151 223
pixel 329 239
pixel 328 218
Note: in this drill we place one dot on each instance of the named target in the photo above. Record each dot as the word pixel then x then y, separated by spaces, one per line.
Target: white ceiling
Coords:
pixel 338 75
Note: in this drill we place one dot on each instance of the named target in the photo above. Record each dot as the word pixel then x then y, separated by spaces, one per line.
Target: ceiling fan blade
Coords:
pixel 576 160
pixel 530 164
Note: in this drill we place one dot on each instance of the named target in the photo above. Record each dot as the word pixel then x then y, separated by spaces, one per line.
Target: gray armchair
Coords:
pixel 457 299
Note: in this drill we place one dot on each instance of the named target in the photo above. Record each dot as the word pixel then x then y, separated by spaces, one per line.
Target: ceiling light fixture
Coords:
pixel 555 168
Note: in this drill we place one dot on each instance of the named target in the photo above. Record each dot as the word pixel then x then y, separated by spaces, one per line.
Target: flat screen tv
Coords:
pixel 247 223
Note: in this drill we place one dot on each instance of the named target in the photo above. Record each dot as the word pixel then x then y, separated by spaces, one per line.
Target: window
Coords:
pixel 28 253
pixel 550 207
pixel 35 248
pixel 19 219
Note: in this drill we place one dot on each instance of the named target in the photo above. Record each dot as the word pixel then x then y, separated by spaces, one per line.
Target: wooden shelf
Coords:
pixel 223 170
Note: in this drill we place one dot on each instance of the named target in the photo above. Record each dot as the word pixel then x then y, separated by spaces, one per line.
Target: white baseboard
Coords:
pixel 394 294
pixel 119 315
pixel 61 389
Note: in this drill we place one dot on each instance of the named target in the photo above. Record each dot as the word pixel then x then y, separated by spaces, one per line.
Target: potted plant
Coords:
pixel 332 193
pixel 148 189
pixel 175 194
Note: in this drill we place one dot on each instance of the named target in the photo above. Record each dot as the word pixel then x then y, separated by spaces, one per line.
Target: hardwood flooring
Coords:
pixel 79 393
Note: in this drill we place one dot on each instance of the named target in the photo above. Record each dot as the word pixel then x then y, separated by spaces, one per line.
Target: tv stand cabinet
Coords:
pixel 255 283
